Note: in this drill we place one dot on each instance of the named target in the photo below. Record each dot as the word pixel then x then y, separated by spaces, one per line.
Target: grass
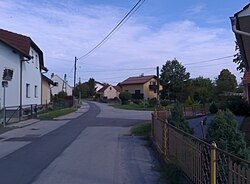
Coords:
pixel 141 129
pixel 133 107
pixel 56 113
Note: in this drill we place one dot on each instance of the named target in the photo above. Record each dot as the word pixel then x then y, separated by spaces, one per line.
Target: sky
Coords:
pixel 193 32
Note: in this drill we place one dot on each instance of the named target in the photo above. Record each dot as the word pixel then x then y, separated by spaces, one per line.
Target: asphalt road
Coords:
pixel 90 149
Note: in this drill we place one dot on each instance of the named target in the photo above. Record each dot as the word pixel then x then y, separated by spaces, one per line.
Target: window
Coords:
pixel 152 83
pixel 32 54
pixel 36 91
pixel 36 61
pixel 137 92
pixel 27 90
pixel 110 88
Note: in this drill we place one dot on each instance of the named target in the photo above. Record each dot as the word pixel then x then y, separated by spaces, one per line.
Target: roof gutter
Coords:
pixel 235 30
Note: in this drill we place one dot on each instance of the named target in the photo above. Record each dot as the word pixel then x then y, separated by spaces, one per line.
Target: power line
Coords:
pixel 119 70
pixel 118 26
pixel 205 61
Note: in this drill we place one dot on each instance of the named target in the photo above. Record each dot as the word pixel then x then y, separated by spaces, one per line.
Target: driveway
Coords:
pixel 108 111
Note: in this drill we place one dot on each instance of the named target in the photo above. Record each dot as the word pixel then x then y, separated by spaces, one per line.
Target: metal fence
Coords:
pixel 196 110
pixel 201 162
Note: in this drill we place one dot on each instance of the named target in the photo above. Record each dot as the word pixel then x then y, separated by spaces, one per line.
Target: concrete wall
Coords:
pixel 11 60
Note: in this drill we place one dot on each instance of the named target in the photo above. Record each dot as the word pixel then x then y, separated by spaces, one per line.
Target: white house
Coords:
pixel 47 84
pixel 60 85
pixel 20 54
pixel 109 92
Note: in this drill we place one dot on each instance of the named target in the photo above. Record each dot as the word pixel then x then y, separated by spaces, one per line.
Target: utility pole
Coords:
pixel 158 86
pixel 75 74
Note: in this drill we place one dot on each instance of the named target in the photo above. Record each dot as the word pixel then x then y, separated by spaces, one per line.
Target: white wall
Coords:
pixel 98 87
pixel 9 59
pixel 32 76
pixel 57 89
pixel 111 93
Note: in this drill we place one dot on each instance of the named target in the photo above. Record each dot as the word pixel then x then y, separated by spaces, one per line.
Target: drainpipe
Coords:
pixel 21 88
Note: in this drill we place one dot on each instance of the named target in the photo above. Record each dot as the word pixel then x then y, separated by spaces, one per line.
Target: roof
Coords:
pixel 21 44
pixel 242 19
pixel 137 80
pixel 47 79
pixel 117 88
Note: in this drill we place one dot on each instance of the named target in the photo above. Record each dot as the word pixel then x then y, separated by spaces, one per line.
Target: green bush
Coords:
pixel 213 108
pixel 189 101
pixel 237 105
pixel 125 97
pixel 224 132
pixel 152 102
pixel 137 101
pixel 177 119
pixel 61 94
pixel 164 103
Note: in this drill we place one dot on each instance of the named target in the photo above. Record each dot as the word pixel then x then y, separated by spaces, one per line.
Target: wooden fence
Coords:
pixel 201 162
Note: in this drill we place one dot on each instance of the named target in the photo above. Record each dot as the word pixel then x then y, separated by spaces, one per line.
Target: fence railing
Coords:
pixel 201 162
pixel 194 110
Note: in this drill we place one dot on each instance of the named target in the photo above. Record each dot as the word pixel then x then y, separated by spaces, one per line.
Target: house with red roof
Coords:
pixel 141 87
pixel 109 92
pixel 21 55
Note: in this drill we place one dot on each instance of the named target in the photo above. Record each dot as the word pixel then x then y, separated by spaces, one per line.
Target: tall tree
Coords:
pixel 91 84
pixel 173 77
pixel 201 89
pixel 226 82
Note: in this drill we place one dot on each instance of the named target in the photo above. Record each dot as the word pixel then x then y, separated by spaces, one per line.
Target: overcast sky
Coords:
pixel 193 32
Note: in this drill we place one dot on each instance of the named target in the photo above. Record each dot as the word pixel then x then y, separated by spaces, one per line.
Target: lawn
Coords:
pixel 56 113
pixel 141 129
pixel 133 107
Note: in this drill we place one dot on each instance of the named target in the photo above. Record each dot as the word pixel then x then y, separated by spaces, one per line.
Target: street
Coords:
pixel 92 148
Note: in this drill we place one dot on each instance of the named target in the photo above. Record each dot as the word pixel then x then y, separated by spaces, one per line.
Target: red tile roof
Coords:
pixel 21 44
pixel 137 80
pixel 118 88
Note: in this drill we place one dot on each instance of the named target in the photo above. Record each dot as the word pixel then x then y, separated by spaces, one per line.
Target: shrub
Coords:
pixel 152 102
pixel 61 94
pixel 213 108
pixel 224 132
pixel 237 105
pixel 177 119
pixel 164 103
pixel 137 101
pixel 189 101
pixel 125 97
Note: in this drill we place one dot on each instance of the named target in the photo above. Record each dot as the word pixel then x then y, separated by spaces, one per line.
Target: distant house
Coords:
pixel 109 92
pixel 60 85
pixel 20 54
pixel 142 87
pixel 98 86
pixel 46 90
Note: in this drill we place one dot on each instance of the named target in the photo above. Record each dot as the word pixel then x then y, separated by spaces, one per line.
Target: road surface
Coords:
pixel 93 148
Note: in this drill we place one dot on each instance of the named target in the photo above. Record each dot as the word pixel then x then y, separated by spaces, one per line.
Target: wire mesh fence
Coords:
pixel 194 156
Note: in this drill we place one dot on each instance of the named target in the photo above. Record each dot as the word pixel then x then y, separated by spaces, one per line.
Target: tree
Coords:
pixel 238 59
pixel 226 82
pixel 177 119
pixel 125 97
pixel 201 89
pixel 224 132
pixel 173 76
pixel 91 84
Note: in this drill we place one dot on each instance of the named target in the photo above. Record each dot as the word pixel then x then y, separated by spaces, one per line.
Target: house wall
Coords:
pixel 57 89
pixel 46 93
pixel 148 94
pixel 11 60
pixel 131 88
pixel 111 93
pixel 31 75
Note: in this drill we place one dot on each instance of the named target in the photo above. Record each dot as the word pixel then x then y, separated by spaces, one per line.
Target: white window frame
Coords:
pixel 27 90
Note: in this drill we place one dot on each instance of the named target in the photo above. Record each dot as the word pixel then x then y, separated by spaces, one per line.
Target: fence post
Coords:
pixel 213 163
pixel 165 138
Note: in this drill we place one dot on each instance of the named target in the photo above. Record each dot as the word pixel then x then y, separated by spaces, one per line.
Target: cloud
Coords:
pixel 68 30
pixel 196 9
